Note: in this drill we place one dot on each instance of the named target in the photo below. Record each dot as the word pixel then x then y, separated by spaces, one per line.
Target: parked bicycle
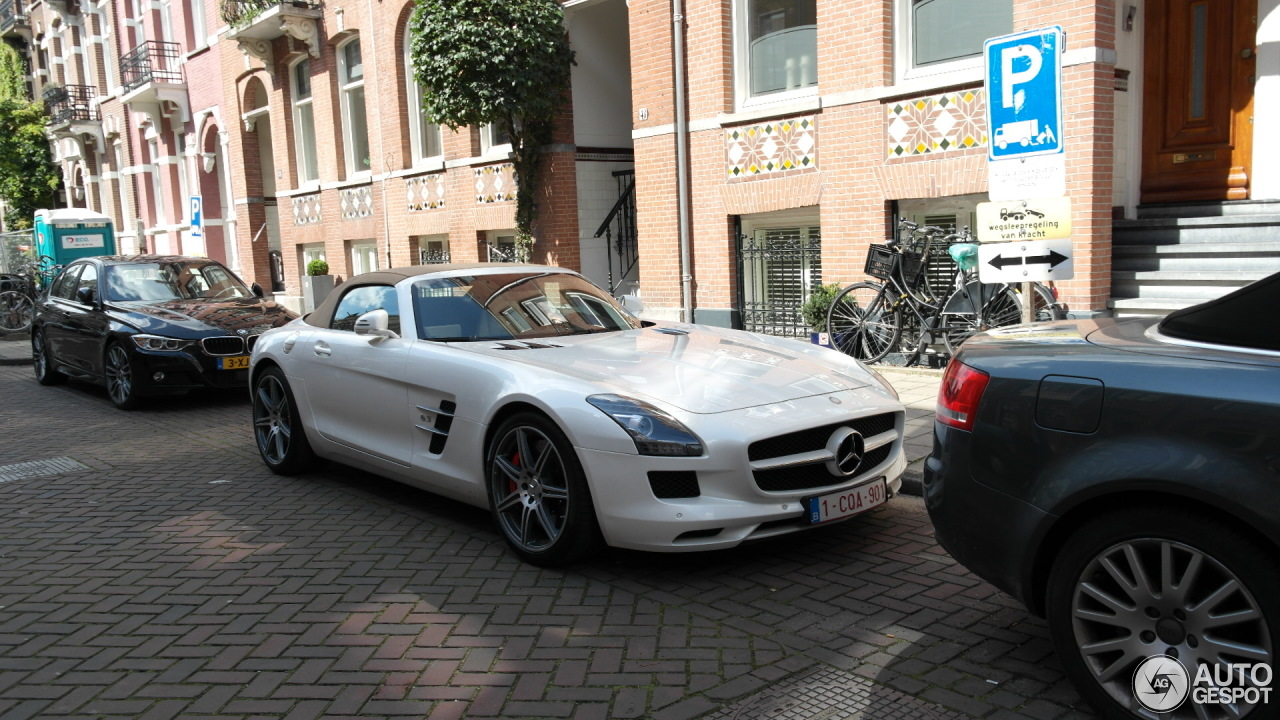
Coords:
pixel 913 310
pixel 22 291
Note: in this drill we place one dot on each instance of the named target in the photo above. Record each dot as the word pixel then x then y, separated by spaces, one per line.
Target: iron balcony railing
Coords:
pixel 70 103
pixel 241 13
pixel 152 61
pixel 12 12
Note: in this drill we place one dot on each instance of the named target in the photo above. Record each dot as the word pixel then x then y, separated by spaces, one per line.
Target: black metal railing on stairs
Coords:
pixel 619 231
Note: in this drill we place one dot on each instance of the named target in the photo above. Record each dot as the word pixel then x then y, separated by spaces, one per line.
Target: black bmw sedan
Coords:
pixel 1121 478
pixel 149 325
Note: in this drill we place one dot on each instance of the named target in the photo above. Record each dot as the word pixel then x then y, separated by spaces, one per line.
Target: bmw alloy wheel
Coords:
pixel 119 371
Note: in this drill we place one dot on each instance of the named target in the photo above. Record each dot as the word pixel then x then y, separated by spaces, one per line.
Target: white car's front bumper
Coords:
pixel 731 505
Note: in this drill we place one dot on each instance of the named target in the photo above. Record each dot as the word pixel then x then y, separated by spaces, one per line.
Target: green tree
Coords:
pixel 496 61
pixel 28 176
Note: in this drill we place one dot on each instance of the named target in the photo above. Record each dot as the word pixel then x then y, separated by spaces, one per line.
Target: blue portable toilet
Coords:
pixel 69 233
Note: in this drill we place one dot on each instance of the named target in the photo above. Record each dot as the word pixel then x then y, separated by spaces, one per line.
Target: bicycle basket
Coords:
pixel 880 262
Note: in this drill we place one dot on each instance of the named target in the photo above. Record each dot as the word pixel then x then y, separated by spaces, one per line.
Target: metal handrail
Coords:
pixel 152 61
pixel 626 245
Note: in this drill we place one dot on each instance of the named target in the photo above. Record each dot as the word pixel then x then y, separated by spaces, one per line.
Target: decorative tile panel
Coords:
pixel 306 209
pixel 357 202
pixel 937 124
pixel 495 183
pixel 425 192
pixel 774 147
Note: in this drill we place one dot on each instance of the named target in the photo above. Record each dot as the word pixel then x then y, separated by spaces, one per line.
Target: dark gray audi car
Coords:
pixel 1121 478
pixel 149 325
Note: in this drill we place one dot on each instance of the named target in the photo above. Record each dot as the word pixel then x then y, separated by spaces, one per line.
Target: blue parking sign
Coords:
pixel 197 216
pixel 1024 94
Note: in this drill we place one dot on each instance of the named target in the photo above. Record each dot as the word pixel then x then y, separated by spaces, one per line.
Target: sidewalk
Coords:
pixel 15 349
pixel 918 390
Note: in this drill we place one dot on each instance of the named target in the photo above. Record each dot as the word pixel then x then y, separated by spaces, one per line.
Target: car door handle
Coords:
pixel 322 349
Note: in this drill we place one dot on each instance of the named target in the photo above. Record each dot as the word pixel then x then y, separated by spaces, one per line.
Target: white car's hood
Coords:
pixel 696 368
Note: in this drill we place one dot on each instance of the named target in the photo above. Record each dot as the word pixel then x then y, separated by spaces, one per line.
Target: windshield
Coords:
pixel 514 306
pixel 158 282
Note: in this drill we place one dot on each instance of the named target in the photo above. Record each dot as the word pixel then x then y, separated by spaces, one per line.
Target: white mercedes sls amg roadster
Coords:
pixel 528 390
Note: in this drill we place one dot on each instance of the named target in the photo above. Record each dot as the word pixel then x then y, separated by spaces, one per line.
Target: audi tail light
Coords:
pixel 959 395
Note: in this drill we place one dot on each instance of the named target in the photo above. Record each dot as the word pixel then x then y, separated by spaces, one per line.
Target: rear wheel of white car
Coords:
pixel 538 493
pixel 282 442
pixel 1131 586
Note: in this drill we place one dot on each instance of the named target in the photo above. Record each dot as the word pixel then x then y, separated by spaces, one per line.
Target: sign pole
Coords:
pixel 1028 299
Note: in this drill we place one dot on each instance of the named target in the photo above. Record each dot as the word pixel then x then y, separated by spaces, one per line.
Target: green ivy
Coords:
pixel 28 176
pixel 496 61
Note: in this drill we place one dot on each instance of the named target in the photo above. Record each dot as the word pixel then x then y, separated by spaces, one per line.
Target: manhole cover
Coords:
pixel 38 468
pixel 832 694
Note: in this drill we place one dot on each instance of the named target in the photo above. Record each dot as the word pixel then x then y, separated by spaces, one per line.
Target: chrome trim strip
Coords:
pixel 1154 333
pixel 432 430
pixel 435 411
pixel 817 456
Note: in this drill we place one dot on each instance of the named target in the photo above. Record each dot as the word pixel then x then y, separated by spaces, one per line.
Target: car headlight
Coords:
pixel 160 343
pixel 654 431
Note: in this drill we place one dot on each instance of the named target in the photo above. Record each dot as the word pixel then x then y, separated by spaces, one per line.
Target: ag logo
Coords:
pixel 1161 683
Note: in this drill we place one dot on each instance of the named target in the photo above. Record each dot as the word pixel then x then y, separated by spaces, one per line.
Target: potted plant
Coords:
pixel 814 311
pixel 316 284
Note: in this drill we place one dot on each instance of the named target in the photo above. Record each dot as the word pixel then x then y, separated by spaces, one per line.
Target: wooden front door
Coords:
pixel 1198 100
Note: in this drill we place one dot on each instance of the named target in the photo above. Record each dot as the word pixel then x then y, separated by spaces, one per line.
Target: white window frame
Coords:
pixel 311 252
pixel 157 183
pixel 742 67
pixel 347 87
pixel 198 29
pixel 303 161
pixel 488 147
pixel 419 129
pixel 363 254
pixel 904 36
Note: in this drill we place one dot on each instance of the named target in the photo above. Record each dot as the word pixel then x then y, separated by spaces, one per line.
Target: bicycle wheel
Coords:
pixel 15 311
pixel 864 322
pixel 978 307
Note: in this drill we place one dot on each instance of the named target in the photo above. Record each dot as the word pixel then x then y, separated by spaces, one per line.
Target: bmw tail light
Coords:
pixel 959 395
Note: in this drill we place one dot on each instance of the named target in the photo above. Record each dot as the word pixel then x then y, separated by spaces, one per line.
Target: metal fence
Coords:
pixel 70 103
pixel 152 61
pixel 777 270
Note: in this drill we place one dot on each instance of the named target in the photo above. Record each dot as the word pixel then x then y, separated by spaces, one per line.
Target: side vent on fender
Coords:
pixel 440 428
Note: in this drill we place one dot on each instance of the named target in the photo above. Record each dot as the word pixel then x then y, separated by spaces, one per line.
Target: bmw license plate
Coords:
pixel 239 362
pixel 846 503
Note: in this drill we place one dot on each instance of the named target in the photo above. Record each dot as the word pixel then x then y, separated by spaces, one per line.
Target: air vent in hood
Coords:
pixel 671 331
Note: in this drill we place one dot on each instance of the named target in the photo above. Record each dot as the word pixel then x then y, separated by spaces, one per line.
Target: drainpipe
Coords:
pixel 682 160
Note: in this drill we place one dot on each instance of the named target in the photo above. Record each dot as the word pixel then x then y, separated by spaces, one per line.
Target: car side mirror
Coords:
pixel 257 290
pixel 86 296
pixel 375 323
pixel 631 304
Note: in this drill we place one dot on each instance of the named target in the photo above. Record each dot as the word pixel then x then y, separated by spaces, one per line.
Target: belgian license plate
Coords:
pixel 239 362
pixel 847 502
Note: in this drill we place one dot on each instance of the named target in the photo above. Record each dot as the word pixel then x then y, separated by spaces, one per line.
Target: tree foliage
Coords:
pixel 496 61
pixel 28 176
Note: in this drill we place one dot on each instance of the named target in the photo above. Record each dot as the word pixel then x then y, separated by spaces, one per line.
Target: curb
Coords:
pixel 14 349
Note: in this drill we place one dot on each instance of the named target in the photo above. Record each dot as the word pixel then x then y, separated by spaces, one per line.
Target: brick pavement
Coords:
pixel 175 577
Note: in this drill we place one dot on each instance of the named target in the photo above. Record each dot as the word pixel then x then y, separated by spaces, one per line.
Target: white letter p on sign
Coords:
pixel 1011 77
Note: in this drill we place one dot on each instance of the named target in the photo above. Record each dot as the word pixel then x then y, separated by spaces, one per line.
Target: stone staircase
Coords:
pixel 1175 256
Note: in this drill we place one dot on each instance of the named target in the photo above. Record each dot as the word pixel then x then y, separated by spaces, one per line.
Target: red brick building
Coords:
pixel 805 128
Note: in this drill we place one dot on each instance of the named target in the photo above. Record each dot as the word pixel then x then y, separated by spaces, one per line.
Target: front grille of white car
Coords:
pixel 809 474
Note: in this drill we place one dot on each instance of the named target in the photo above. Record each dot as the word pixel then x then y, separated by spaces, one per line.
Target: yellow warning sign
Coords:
pixel 1024 220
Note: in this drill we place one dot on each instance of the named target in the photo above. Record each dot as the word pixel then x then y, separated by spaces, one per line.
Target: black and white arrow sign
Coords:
pixel 1031 260
pixel 1053 259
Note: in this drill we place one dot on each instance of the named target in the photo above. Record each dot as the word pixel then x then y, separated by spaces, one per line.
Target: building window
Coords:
pixel 433 250
pixel 364 257
pixel 304 124
pixel 941 36
pixel 355 128
pixel 424 137
pixel 199 35
pixel 310 253
pixel 494 138
pixel 776 49
pixel 779 267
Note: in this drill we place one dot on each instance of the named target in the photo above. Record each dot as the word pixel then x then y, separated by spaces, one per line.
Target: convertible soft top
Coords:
pixel 1244 318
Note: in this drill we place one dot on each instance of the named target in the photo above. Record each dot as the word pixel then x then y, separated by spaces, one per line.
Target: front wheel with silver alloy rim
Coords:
pixel 122 387
pixel 1134 595
pixel 538 493
pixel 277 427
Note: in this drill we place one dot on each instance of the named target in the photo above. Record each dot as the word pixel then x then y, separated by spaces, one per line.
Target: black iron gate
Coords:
pixel 777 269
